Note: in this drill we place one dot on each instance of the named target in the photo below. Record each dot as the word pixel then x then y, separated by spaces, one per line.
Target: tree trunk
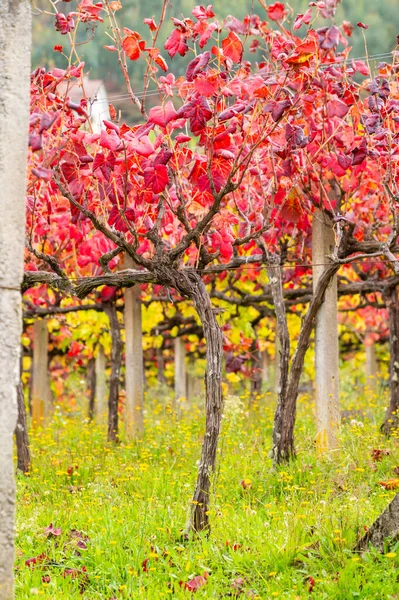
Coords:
pixel 371 364
pixel 91 380
pixel 116 362
pixel 40 384
pixel 21 433
pixel 277 358
pixel 180 371
pixel 199 519
pixel 256 380
pixel 326 340
pixel 386 525
pixel 134 417
pixel 284 421
pixel 15 37
pixel 101 383
pixel 391 417
pixel 283 438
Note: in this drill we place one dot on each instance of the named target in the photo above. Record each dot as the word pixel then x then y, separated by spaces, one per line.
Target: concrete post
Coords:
pixel 15 42
pixel 40 385
pixel 180 371
pixel 326 340
pixel 101 384
pixel 134 417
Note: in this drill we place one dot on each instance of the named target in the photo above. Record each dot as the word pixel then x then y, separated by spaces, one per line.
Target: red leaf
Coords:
pixel 162 115
pixel 337 108
pixel 36 560
pixel 118 217
pixel 202 13
pixel 362 25
pixel 198 111
pixel 347 27
pixel 206 86
pixel 42 173
pixel 232 47
pixel 176 44
pixel 64 24
pixel 151 23
pixel 156 178
pixel 196 583
pixel 50 530
pixel 107 293
pixel 277 11
pixel 303 19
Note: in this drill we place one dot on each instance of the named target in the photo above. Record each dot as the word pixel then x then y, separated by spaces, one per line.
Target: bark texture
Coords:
pixel 385 526
pixel 257 375
pixel 213 406
pixel 101 385
pixel 134 416
pixel 21 434
pixel 284 421
pixel 116 362
pixel 391 417
pixel 40 383
pixel 284 417
pixel 91 381
pixel 15 36
pixel 326 340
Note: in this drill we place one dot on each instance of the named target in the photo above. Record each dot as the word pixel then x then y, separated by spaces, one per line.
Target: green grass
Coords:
pixel 129 502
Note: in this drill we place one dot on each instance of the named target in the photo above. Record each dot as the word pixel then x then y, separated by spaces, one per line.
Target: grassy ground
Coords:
pixel 287 534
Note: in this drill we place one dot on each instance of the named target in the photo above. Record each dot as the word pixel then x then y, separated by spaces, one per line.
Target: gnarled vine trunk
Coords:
pixel 213 406
pixel 91 381
pixel 116 362
pixel 284 420
pixel 391 416
pixel 21 432
pixel 101 384
pixel 385 526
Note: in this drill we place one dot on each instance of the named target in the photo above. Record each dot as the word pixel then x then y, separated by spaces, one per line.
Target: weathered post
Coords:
pixel 15 36
pixel 371 363
pixel 326 339
pixel 180 371
pixel 101 386
pixel 134 417
pixel 40 384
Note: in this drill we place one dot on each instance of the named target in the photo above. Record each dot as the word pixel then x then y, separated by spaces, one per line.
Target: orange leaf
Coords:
pixel 133 45
pixel 232 47
pixel 390 484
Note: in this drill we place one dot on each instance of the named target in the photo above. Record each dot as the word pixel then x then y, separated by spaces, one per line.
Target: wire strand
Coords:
pixel 122 97
pixel 258 266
